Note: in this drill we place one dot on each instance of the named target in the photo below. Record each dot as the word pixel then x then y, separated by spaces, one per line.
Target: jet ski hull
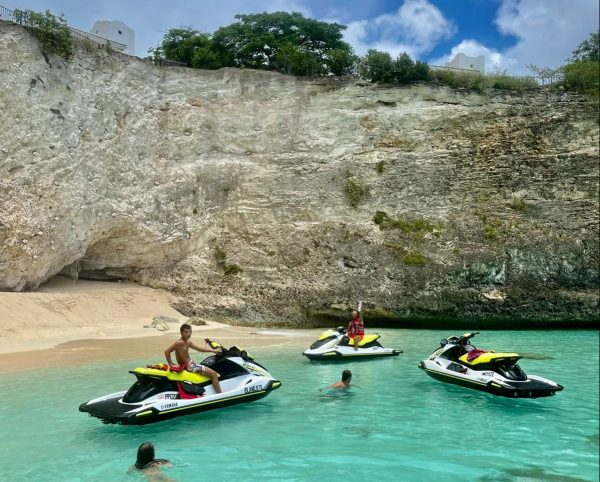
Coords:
pixel 337 355
pixel 489 381
pixel 112 409
pixel 530 388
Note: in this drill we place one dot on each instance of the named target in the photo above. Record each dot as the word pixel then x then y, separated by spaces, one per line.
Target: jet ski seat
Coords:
pixel 181 376
pixel 489 357
pixel 345 341
pixel 365 339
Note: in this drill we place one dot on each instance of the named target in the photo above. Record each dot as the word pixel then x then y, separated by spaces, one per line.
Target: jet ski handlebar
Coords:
pixel 467 336
pixel 458 339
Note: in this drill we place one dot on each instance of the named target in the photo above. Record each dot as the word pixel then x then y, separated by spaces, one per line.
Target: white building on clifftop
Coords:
pixel 116 31
pixel 462 61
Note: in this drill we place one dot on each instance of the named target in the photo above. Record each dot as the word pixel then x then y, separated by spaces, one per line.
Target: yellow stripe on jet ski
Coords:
pixel 250 394
pixel 488 357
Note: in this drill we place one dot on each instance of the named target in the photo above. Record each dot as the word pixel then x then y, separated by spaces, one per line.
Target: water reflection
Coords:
pixel 531 474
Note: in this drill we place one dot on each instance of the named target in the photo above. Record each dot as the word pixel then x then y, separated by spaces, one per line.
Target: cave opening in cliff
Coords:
pixel 81 269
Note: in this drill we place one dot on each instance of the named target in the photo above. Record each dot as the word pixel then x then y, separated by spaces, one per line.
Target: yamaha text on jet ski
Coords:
pixel 457 361
pixel 334 345
pixel 161 393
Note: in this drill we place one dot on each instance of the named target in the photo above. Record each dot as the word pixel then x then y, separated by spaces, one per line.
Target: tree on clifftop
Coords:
pixel 588 50
pixel 379 67
pixel 281 41
pixel 286 42
pixel 191 47
pixel 582 72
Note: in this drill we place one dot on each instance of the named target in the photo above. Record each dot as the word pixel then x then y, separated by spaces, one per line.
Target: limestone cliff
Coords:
pixel 268 198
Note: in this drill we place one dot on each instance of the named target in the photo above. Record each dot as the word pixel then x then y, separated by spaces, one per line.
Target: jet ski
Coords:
pixel 457 361
pixel 161 393
pixel 335 345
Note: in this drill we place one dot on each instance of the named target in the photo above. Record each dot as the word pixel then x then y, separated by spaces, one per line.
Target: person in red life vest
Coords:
pixel 356 327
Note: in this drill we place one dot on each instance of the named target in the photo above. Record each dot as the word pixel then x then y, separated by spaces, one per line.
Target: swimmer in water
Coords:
pixel 345 381
pixel 145 458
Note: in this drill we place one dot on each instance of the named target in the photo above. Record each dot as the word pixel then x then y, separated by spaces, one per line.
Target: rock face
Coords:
pixel 273 199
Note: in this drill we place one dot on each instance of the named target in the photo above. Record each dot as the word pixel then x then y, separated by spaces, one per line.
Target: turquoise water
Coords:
pixel 395 424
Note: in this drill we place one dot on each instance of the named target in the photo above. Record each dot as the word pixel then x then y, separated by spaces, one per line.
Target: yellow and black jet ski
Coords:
pixel 334 345
pixel 161 393
pixel 458 362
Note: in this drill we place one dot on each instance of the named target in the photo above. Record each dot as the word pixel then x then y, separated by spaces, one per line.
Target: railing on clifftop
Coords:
pixel 9 15
pixel 6 14
pixel 455 69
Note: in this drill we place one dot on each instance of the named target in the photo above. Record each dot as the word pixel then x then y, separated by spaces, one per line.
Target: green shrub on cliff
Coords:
pixel 582 77
pixel 414 258
pixel 354 191
pixel 519 204
pixel 479 82
pixel 232 269
pixel 417 226
pixel 51 31
pixel 510 82
pixel 221 260
pixel 491 227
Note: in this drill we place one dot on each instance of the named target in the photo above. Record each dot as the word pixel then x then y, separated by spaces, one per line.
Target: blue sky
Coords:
pixel 509 33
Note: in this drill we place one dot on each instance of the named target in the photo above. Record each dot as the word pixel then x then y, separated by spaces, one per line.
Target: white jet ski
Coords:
pixel 161 393
pixel 334 345
pixel 458 362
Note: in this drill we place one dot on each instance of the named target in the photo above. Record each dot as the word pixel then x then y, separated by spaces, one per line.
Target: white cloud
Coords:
pixel 414 28
pixel 548 31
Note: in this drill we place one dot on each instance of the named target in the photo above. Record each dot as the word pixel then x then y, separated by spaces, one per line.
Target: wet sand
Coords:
pixel 67 323
pixel 85 352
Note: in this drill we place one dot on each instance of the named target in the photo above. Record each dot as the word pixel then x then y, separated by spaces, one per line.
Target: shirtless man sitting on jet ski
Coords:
pixel 182 353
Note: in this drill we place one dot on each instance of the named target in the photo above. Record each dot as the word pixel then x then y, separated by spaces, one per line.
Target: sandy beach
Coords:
pixel 83 322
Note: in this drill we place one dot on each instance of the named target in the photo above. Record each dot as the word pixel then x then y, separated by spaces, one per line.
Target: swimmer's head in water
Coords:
pixel 346 375
pixel 145 455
